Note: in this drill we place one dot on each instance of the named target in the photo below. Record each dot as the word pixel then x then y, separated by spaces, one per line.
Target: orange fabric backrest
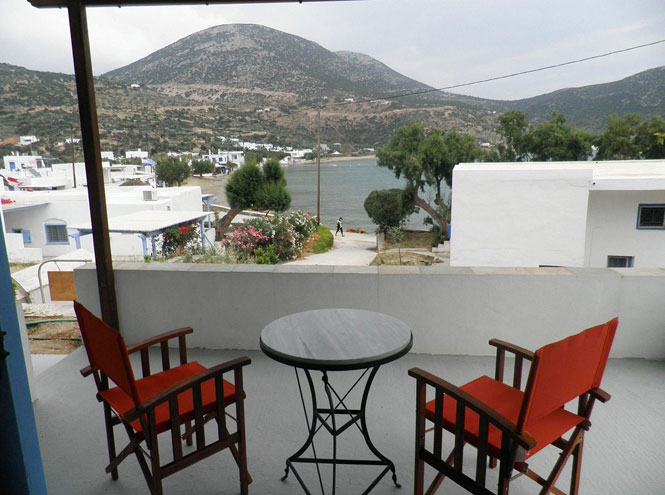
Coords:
pixel 106 350
pixel 564 370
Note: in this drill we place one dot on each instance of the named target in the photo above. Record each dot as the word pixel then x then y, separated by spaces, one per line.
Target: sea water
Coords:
pixel 344 187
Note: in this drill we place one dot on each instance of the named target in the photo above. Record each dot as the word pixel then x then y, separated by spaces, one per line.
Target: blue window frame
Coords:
pixel 620 261
pixel 56 233
pixel 650 217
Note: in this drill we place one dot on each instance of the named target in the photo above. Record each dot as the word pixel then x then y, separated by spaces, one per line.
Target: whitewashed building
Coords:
pixel 136 154
pixel 593 214
pixel 44 220
pixel 20 162
pixel 27 140
pixel 108 155
pixel 226 157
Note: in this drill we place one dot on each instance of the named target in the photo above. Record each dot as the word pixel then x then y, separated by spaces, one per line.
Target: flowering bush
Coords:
pixel 304 225
pixel 266 240
pixel 285 240
pixel 176 240
pixel 244 240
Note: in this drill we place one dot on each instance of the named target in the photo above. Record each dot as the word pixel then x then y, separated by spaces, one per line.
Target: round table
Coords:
pixel 329 340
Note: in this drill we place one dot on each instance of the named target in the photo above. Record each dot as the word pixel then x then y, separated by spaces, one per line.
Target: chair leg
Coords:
pixel 571 445
pixel 577 467
pixel 419 471
pixel 242 443
pixel 110 438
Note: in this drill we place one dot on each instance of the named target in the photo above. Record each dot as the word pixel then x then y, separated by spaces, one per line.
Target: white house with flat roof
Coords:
pixel 20 162
pixel 593 214
pixel 46 220
pixel 136 154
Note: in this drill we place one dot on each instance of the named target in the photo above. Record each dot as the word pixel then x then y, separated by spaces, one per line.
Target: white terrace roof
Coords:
pixel 20 205
pixel 611 175
pixel 146 222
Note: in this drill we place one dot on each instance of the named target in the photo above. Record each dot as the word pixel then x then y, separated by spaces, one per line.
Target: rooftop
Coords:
pixel 623 451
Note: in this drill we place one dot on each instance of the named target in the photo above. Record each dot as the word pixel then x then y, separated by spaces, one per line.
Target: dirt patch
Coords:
pixel 54 337
pixel 408 259
pixel 412 239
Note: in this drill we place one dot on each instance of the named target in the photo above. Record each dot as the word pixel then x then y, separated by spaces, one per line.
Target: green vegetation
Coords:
pixel 324 240
pixel 172 171
pixel 389 207
pixel 426 158
pixel 200 167
pixel 397 236
pixel 624 138
pixel 251 186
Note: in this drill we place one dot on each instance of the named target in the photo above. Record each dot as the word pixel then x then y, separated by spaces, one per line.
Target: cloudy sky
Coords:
pixel 438 42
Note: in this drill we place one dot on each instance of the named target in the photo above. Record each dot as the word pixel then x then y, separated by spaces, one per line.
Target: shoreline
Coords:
pixel 333 159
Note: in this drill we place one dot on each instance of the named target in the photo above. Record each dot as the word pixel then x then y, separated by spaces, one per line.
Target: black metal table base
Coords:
pixel 326 418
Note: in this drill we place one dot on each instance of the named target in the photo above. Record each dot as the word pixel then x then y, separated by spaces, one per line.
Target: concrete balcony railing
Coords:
pixel 450 310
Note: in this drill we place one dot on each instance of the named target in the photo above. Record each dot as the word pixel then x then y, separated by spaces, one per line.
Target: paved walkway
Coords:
pixel 352 249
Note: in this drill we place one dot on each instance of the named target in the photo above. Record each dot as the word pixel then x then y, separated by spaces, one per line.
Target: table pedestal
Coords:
pixel 327 418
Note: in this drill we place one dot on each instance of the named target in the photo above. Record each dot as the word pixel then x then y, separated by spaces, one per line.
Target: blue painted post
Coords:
pixel 21 470
pixel 203 246
pixel 154 245
pixel 144 244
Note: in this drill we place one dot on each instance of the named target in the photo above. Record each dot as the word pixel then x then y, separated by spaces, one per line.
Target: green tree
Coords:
pixel 389 207
pixel 257 187
pixel 201 167
pixel 397 235
pixel 649 139
pixel 513 126
pixel 555 141
pixel 552 140
pixel 171 171
pixel 617 142
pixel 426 159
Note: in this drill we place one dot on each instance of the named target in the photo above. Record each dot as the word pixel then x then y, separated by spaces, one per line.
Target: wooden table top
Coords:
pixel 336 339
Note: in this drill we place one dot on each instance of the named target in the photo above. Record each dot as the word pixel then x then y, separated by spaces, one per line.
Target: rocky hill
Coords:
pixel 257 83
pixel 589 106
pixel 254 57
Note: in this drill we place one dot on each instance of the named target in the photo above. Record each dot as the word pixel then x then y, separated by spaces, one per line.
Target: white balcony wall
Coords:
pixel 451 311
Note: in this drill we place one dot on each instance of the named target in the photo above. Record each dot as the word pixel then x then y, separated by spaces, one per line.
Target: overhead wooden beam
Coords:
pixel 78 25
pixel 127 3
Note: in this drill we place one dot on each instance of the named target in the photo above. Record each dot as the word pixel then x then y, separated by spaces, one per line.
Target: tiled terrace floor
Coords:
pixel 624 452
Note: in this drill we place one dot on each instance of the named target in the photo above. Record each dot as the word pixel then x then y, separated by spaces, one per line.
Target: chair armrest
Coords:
pixel 189 383
pixel 87 371
pixel 501 422
pixel 158 339
pixel 599 394
pixel 512 348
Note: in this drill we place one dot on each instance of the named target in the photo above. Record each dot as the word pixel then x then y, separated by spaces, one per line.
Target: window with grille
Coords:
pixel 651 217
pixel 56 234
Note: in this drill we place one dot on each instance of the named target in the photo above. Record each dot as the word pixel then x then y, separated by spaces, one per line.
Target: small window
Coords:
pixel 651 217
pixel 56 234
pixel 619 262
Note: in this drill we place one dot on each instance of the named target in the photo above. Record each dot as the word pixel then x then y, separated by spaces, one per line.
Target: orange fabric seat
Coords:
pixel 151 385
pixel 507 401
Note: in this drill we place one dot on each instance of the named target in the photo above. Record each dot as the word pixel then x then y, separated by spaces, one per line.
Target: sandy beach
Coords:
pixel 335 159
pixel 211 185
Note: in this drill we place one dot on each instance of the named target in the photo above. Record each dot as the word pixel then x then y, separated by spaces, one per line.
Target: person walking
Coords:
pixel 339 227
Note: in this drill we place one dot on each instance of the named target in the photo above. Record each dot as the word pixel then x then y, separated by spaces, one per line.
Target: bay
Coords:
pixel 344 187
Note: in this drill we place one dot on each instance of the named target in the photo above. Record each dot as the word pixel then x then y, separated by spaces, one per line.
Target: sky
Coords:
pixel 437 42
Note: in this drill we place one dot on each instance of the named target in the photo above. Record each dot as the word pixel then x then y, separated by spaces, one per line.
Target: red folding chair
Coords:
pixel 507 424
pixel 163 402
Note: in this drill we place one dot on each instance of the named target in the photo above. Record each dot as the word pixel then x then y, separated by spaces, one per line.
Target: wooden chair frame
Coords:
pixel 145 413
pixel 514 441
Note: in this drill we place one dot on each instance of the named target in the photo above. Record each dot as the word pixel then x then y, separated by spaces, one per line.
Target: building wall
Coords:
pixel 519 217
pixel 72 207
pixel 450 310
pixel 611 229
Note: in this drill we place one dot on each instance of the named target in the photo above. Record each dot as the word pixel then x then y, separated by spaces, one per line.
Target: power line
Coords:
pixel 471 83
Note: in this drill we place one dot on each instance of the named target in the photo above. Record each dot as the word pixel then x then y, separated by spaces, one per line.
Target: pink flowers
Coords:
pixel 244 240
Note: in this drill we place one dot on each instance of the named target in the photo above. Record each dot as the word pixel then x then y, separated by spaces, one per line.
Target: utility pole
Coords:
pixel 71 142
pixel 318 166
